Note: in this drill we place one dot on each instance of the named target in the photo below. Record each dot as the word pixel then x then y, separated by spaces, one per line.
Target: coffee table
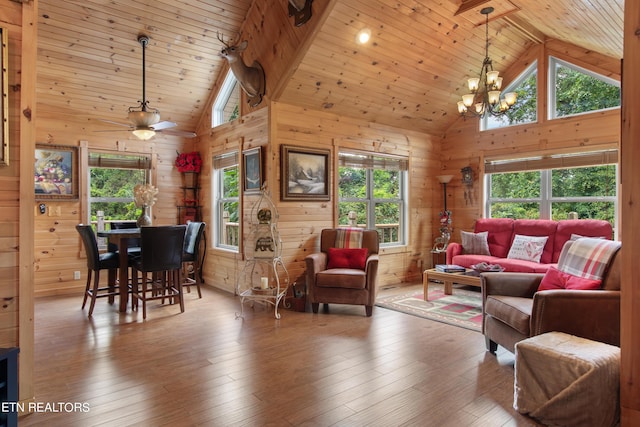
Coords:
pixel 469 277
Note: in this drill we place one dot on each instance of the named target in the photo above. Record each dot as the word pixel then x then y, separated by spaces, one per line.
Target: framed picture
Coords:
pixel 304 173
pixel 252 165
pixel 56 172
pixel 4 102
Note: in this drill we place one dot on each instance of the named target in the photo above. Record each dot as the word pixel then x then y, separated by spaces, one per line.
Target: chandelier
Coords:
pixel 486 99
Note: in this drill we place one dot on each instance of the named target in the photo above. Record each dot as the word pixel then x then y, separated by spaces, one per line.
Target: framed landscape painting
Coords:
pixel 56 172
pixel 304 173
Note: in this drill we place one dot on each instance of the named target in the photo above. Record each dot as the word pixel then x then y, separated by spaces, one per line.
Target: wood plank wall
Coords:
pixel 464 145
pixel 300 222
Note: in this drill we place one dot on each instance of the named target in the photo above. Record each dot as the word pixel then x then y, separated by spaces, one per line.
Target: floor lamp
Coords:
pixel 445 217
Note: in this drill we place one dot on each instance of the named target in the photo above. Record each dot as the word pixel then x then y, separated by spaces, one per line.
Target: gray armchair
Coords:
pixel 342 285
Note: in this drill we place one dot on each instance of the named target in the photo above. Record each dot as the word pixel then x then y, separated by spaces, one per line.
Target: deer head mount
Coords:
pixel 252 79
pixel 300 10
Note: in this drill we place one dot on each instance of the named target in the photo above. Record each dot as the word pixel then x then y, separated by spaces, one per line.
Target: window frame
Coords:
pixel 228 87
pixel 370 200
pixel 222 163
pixel 551 86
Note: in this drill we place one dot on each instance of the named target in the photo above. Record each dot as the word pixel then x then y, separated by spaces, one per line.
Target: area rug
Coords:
pixel 463 308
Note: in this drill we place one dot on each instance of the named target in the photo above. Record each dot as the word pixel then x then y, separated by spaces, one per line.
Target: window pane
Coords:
pixel 360 208
pixel 515 210
pixel 585 210
pixel 518 185
pixel 111 191
pixel 525 109
pixel 577 92
pixel 352 183
pixel 114 210
pixel 596 181
pixel 388 221
pixel 230 186
pixel 386 184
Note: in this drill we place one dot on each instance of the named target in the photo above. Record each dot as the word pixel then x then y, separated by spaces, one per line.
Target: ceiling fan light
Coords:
pixel 143 118
pixel 144 134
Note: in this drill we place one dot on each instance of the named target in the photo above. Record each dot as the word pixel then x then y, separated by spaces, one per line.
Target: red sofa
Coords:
pixel 502 231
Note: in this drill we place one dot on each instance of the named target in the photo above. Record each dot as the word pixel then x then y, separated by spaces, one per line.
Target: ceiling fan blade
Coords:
pixel 176 132
pixel 163 125
pixel 116 123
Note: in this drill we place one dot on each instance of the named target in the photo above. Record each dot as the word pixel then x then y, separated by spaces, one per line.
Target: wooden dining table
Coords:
pixel 121 238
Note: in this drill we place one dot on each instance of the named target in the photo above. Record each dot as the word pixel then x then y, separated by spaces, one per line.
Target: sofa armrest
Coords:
pixel 371 270
pixel 594 314
pixel 453 249
pixel 522 285
pixel 316 262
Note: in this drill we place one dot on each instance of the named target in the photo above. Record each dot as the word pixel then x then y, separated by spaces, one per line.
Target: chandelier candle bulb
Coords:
pixel 264 282
pixel 474 84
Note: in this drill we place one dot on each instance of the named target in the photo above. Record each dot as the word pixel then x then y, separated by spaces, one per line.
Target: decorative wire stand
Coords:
pixel 266 254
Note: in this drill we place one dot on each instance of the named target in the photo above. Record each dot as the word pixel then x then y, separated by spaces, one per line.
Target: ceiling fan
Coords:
pixel 145 121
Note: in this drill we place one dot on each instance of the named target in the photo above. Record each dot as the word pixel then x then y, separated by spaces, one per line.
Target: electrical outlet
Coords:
pixel 76 275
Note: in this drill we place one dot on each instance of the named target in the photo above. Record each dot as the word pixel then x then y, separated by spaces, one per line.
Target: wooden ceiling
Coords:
pixel 411 73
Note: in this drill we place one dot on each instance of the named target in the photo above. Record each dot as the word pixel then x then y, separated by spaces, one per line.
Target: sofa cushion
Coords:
pixel 514 311
pixel 528 248
pixel 538 227
pixel 347 258
pixel 500 234
pixel 475 243
pixel 582 227
pixel 556 279
pixel 512 265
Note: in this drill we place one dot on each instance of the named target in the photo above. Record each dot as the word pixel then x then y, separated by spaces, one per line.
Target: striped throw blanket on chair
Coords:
pixel 348 238
pixel 588 257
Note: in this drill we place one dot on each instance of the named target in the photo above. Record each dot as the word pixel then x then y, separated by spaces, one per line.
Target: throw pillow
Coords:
pixel 347 258
pixel 527 248
pixel 475 243
pixel 556 279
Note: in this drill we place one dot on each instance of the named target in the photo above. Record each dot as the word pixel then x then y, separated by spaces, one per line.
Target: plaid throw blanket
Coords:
pixel 348 238
pixel 588 257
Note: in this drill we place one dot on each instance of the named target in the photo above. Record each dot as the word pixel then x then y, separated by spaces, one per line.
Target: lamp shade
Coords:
pixel 444 179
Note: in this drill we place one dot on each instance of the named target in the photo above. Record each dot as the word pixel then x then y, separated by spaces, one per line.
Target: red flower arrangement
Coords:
pixel 189 162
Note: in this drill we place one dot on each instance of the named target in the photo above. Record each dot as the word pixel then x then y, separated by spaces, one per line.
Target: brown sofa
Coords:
pixel 513 309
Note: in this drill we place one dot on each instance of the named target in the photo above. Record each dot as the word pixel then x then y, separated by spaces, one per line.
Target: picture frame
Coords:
pixel 56 172
pixel 4 102
pixel 304 173
pixel 252 177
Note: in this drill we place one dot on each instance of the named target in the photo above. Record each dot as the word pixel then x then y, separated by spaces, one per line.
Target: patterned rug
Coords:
pixel 463 308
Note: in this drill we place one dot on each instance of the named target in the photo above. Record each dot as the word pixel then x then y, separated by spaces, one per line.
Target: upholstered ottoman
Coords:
pixel 565 380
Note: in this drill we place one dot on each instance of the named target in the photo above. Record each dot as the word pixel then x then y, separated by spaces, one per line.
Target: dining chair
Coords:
pixel 192 256
pixel 133 245
pixel 161 255
pixel 95 262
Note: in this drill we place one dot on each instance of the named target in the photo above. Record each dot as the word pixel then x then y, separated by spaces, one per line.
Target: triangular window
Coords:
pixel 525 108
pixel 575 90
pixel 227 104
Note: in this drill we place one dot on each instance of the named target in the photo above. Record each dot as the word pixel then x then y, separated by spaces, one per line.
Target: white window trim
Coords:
pixel 229 83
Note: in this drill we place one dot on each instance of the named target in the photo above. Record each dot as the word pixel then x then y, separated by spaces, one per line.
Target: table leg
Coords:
pixel 448 287
pixel 425 286
pixel 123 275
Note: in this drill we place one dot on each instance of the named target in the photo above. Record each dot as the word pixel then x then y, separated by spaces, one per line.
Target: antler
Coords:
pixel 221 39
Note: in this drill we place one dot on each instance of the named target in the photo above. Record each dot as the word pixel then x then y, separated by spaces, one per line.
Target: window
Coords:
pixel 374 187
pixel 525 110
pixel 226 191
pixel 551 187
pixel 575 90
pixel 112 178
pixel 227 104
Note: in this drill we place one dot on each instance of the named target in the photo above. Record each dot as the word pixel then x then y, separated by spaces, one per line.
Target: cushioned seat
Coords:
pixel 193 256
pixel 344 272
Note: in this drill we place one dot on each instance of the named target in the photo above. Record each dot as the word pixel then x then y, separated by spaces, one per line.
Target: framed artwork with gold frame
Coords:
pixel 56 172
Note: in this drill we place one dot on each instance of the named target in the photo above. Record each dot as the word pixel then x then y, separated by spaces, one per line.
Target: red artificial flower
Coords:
pixel 189 162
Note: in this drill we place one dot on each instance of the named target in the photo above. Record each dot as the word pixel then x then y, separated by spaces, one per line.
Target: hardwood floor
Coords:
pixel 206 367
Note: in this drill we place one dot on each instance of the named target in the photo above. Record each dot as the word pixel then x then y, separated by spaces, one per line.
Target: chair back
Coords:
pixel 90 245
pixel 370 240
pixel 133 242
pixel 161 247
pixel 192 239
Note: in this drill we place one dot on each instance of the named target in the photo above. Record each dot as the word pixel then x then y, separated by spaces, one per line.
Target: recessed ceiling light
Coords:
pixel 363 36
